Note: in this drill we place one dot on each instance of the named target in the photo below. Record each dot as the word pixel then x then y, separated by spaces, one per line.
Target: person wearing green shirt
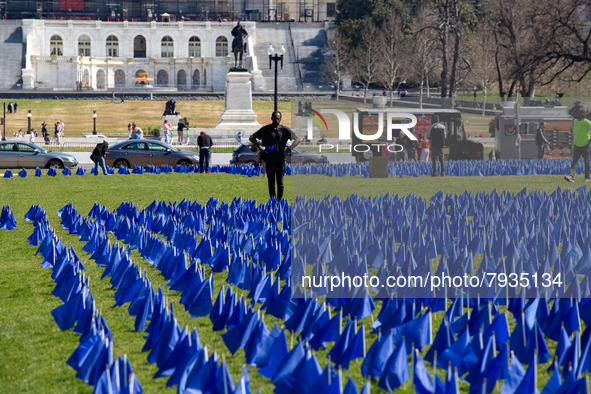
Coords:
pixel 582 134
pixel 181 126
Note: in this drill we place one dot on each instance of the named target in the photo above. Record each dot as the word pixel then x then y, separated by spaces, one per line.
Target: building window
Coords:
pixel 112 46
pixel 56 46
pixel 84 46
pixel 194 47
pixel 167 47
pixel 330 10
pixel 139 47
pixel 221 46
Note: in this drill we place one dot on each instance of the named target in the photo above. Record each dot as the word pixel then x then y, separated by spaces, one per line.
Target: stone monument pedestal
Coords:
pixel 174 120
pixel 238 113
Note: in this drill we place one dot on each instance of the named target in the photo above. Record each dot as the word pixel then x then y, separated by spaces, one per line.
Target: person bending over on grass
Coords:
pixel 274 138
pixel 98 157
pixel 582 133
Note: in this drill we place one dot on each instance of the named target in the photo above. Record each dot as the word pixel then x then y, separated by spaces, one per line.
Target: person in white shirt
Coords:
pixel 167 128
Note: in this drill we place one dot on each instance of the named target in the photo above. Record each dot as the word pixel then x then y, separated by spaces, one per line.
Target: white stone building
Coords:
pixel 66 54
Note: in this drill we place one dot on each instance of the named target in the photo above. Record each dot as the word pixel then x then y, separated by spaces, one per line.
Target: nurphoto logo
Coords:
pixel 402 121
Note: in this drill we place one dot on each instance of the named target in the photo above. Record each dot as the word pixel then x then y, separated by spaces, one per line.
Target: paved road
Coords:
pixel 218 158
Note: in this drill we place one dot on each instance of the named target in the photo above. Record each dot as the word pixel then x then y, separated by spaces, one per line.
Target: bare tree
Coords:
pixel 569 37
pixel 422 50
pixel 335 58
pixel 452 19
pixel 482 66
pixel 393 48
pixel 520 29
pixel 365 62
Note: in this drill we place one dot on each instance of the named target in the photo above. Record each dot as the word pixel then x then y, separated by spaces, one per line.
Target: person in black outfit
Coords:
pixel 274 138
pixel 436 137
pixel 541 141
pixel 98 157
pixel 204 142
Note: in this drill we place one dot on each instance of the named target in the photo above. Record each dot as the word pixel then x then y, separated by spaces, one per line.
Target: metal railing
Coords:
pixel 299 78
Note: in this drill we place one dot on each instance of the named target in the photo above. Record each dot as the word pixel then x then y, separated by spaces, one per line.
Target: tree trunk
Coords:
pixel 485 91
pixel 511 90
pixel 454 67
pixel 421 93
pixel 365 93
pixel 531 87
pixel 499 73
pixel 444 62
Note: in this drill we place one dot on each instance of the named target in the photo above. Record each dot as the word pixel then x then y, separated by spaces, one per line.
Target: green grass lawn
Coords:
pixel 32 348
pixel 77 115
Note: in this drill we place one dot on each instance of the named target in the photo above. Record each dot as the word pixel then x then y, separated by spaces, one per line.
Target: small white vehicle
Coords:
pixel 102 136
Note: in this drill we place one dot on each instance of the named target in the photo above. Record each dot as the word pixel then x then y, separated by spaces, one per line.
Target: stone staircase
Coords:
pixel 310 42
pixel 276 34
pixel 12 53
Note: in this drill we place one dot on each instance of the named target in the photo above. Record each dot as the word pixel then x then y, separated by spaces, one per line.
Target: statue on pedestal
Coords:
pixel 170 108
pixel 238 46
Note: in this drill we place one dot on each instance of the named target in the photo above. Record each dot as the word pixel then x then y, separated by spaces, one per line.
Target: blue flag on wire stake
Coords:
pixel 7 219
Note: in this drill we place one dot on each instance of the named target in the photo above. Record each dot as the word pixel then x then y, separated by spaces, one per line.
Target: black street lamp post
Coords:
pixel 94 122
pixel 29 116
pixel 275 57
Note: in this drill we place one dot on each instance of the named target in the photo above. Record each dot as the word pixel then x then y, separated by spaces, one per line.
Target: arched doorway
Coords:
pixel 162 78
pixel 139 46
pixel 86 79
pixel 119 78
pixel 100 79
pixel 196 83
pixel 181 80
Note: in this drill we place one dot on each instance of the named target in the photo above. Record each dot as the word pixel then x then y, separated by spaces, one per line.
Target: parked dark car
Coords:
pixel 247 153
pixel 19 154
pixel 142 153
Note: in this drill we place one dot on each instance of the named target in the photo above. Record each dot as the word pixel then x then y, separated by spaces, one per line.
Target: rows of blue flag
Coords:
pixel 452 168
pixel 536 233
pixel 179 354
pixel 415 327
pixel 474 342
pixel 246 329
pixel 93 358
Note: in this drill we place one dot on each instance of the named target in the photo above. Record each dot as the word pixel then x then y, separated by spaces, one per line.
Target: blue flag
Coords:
pixel 395 372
